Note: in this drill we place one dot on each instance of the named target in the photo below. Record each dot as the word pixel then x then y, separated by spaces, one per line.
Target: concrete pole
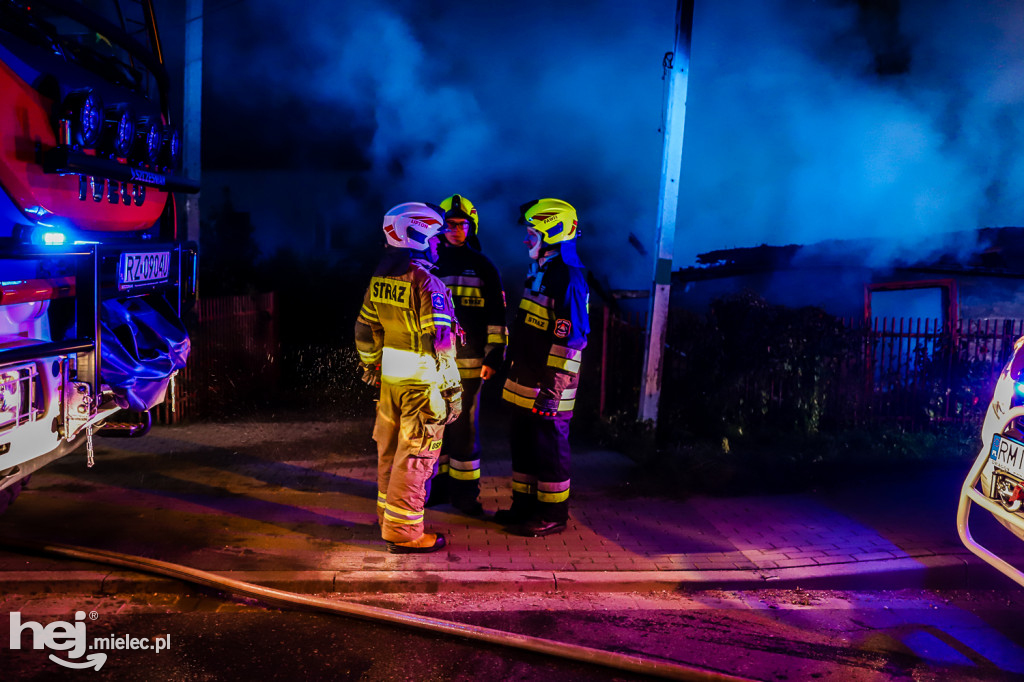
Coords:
pixel 193 106
pixel 668 202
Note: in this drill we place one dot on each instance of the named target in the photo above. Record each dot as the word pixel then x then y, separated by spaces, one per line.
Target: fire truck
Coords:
pixel 94 277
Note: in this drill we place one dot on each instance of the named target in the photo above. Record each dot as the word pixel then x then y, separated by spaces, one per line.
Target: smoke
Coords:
pixel 440 98
pixel 809 132
pixel 805 121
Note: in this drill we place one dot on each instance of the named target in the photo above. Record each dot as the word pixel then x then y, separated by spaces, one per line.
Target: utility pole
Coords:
pixel 192 106
pixel 678 63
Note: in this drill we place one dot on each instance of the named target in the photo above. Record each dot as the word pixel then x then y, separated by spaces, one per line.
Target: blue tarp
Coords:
pixel 142 343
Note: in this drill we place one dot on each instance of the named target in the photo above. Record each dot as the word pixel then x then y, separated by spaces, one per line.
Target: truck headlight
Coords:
pixel 151 134
pixel 173 147
pixel 123 133
pixel 85 113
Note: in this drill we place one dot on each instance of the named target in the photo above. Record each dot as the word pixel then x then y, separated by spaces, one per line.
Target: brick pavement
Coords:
pixel 292 504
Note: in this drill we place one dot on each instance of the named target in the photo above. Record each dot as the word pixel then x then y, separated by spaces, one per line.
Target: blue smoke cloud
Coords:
pixel 805 121
pixel 794 136
pixel 442 99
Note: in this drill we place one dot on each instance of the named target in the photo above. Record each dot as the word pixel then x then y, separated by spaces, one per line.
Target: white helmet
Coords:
pixel 411 225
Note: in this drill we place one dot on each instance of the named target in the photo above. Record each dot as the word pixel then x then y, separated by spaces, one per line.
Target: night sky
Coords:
pixel 806 121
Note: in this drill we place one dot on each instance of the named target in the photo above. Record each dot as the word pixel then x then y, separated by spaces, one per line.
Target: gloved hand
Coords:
pixel 546 406
pixel 371 374
pixel 452 402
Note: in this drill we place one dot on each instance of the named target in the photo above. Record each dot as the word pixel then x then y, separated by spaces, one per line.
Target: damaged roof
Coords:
pixel 989 251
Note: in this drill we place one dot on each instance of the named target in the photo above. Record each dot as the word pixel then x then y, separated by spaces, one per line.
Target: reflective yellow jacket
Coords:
pixel 405 324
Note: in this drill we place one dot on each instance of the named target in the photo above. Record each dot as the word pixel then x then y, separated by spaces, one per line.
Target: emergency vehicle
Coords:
pixel 996 481
pixel 94 278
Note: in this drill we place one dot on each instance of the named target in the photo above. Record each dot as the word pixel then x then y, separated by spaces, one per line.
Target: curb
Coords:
pixel 933 572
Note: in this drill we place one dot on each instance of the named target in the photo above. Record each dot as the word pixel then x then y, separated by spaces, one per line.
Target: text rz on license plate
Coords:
pixel 1008 455
pixel 143 268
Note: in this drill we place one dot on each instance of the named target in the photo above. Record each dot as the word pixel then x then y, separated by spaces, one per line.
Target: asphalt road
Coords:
pixel 272 497
pixel 758 634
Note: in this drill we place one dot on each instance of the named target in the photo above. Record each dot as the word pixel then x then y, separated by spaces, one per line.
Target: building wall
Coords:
pixel 995 297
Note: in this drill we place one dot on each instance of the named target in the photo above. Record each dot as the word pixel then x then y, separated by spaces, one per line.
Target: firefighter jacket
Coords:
pixel 548 338
pixel 405 324
pixel 479 306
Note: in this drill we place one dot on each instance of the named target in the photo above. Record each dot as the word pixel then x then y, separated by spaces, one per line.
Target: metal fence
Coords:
pixel 915 372
pixel 920 370
pixel 234 357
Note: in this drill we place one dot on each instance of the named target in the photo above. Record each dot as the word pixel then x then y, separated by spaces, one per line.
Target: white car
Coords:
pixel 996 481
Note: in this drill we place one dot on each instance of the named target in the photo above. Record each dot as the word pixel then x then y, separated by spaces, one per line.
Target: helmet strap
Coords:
pixel 547 252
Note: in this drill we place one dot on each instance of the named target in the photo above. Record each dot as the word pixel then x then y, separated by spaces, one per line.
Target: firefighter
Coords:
pixel 480 308
pixel 545 348
pixel 406 344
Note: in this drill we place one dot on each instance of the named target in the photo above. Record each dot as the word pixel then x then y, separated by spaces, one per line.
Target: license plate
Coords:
pixel 1008 455
pixel 143 268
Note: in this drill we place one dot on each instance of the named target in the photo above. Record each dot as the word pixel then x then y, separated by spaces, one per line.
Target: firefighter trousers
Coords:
pixel 408 432
pixel 540 466
pixel 461 449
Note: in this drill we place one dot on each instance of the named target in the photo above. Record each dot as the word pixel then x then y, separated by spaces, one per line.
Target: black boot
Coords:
pixel 465 496
pixel 538 528
pixel 522 509
pixel 548 518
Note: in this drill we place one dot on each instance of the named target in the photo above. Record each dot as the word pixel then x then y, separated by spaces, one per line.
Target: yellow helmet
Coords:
pixel 458 206
pixel 553 218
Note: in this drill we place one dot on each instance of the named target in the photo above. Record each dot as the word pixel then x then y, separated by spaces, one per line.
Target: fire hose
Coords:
pixel 283 598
